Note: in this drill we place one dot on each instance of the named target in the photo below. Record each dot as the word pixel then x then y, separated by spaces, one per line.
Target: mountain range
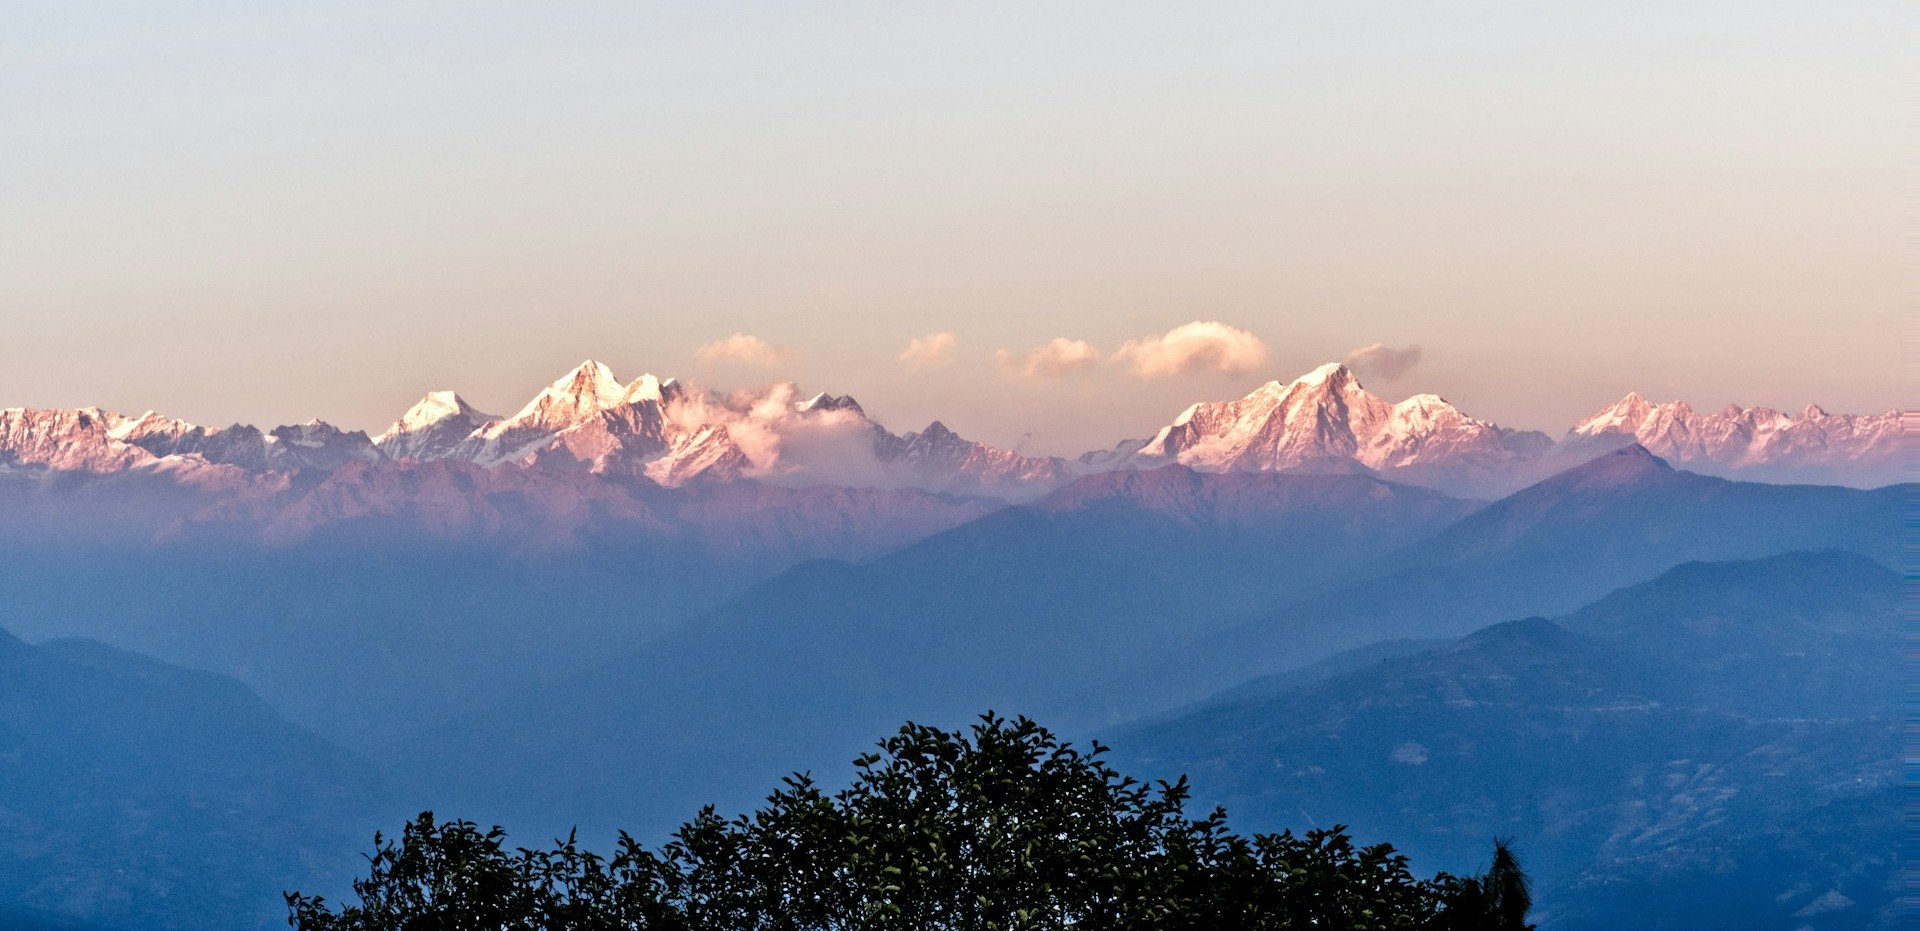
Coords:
pixel 1759 442
pixel 587 420
pixel 662 432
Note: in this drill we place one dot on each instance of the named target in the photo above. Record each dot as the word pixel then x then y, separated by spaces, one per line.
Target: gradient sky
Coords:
pixel 273 211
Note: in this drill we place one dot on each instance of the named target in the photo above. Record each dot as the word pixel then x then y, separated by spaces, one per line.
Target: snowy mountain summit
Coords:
pixel 656 428
pixel 1327 419
pixel 432 428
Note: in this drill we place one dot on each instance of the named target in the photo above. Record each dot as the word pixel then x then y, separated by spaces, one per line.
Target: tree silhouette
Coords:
pixel 1497 900
pixel 999 827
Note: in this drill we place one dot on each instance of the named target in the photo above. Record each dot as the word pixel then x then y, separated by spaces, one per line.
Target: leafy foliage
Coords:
pixel 1002 827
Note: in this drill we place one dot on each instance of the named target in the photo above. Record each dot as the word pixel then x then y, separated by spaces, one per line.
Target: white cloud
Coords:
pixel 744 349
pixel 1200 346
pixel 786 445
pixel 1410 753
pixel 1383 361
pixel 1056 358
pixel 931 349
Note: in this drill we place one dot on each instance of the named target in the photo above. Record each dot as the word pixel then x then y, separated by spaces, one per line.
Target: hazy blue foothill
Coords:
pixel 1717 747
pixel 371 625
pixel 1547 549
pixel 361 641
pixel 139 795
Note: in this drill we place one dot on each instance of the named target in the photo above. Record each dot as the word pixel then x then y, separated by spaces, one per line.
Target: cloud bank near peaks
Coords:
pixel 744 349
pixel 784 444
pixel 1383 362
pixel 1191 348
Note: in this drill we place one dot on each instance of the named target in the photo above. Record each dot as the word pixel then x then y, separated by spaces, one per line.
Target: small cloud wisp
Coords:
pixel 929 350
pixel 1382 361
pixel 1057 358
pixel 744 349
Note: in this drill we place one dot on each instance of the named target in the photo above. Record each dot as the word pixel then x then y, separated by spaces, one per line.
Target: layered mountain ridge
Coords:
pixel 670 434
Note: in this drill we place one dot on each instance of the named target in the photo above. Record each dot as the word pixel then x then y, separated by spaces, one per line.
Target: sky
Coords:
pixel 241 211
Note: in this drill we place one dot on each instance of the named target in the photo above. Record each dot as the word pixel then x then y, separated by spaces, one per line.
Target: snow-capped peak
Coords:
pixel 1193 409
pixel 827 402
pixel 1423 410
pixel 1275 426
pixel 434 408
pixel 1755 438
pixel 1336 373
pixel 1624 416
pixel 1424 402
pixel 120 430
pixel 1326 416
pixel 446 401
pixel 588 388
pixel 149 423
pixel 576 399
pixel 647 387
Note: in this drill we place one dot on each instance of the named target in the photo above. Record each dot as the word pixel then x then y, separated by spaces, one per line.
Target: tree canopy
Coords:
pixel 999 827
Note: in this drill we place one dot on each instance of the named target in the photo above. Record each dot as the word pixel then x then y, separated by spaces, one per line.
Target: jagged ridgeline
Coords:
pixel 671 434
